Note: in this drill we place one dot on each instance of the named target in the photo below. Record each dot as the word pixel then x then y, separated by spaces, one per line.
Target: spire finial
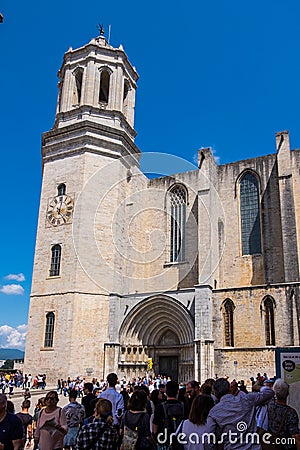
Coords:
pixel 101 29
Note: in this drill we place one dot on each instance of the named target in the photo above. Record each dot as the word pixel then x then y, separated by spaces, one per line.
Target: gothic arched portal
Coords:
pixel 160 328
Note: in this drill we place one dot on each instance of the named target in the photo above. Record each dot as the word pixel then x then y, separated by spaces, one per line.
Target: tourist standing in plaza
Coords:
pixel 75 414
pixel 87 399
pixel 51 424
pixel 29 381
pixel 232 420
pixel 39 405
pixel 191 391
pixel 137 420
pixel 99 434
pixel 26 420
pixel 11 429
pixel 114 397
pixel 167 416
pixel 194 428
pixel 283 420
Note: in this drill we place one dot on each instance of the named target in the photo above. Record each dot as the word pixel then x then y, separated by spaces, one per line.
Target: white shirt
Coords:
pixel 192 435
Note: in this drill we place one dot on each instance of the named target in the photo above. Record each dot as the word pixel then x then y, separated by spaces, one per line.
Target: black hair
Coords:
pixel 73 393
pixel 112 379
pixel 88 386
pixel 172 388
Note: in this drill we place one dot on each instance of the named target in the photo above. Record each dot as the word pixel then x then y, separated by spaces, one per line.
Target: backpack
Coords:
pixel 130 436
pixel 174 413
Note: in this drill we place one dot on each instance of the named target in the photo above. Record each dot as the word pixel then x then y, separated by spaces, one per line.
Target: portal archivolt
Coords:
pixel 153 318
pixel 160 328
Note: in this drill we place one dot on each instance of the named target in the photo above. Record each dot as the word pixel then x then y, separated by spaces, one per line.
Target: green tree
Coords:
pixel 8 365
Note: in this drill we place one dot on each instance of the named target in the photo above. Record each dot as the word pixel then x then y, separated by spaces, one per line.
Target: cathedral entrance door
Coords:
pixel 168 366
pixel 160 328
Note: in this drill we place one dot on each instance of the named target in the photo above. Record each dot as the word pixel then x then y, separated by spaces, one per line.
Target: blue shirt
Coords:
pixel 116 400
pixel 233 419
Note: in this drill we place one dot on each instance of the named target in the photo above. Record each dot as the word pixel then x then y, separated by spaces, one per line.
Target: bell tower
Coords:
pixel 97 86
pixel 89 149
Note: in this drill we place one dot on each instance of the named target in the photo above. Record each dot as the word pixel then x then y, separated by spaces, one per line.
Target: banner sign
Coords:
pixel 288 368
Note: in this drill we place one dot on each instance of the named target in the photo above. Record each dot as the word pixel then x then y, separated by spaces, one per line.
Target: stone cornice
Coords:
pixel 91 50
pixel 87 136
pixel 261 286
pixel 244 349
pixel 57 294
pixel 95 113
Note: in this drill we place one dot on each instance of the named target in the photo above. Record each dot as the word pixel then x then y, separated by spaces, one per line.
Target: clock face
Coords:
pixel 60 210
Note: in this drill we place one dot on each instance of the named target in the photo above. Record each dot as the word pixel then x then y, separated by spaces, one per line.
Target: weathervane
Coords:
pixel 101 29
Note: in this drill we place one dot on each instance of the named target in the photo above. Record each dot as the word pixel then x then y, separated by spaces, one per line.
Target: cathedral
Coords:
pixel 189 275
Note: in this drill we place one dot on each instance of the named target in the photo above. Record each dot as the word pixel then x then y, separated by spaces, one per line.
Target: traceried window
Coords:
pixel 49 331
pixel 104 86
pixel 61 189
pixel 177 226
pixel 55 260
pixel 250 215
pixel 228 310
pixel 268 310
pixel 78 85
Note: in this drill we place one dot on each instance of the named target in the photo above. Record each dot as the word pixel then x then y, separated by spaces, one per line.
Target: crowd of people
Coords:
pixel 8 381
pixel 155 414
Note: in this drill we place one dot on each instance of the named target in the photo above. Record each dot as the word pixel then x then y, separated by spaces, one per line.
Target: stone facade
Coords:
pixel 129 268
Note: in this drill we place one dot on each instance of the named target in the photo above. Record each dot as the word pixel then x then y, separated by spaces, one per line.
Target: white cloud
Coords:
pixel 15 276
pixel 13 337
pixel 12 289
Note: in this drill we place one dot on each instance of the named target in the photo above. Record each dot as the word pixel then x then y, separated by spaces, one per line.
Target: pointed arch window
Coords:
pixel 268 309
pixel 104 86
pixel 177 225
pixel 228 312
pixel 78 85
pixel 55 260
pixel 49 330
pixel 61 189
pixel 126 90
pixel 125 96
pixel 250 215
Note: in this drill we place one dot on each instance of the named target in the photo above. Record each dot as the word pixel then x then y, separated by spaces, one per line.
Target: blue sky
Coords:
pixel 220 74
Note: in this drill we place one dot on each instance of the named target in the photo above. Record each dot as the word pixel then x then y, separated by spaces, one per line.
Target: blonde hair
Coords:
pixel 104 410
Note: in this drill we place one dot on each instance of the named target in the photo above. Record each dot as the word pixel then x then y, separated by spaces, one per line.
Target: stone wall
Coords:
pixel 242 364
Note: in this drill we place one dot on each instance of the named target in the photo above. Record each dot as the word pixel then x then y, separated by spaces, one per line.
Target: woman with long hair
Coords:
pixel 135 425
pixel 194 427
pixel 99 434
pixel 156 397
pixel 51 424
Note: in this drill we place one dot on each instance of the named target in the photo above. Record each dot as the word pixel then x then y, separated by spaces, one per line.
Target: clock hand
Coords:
pixel 59 208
